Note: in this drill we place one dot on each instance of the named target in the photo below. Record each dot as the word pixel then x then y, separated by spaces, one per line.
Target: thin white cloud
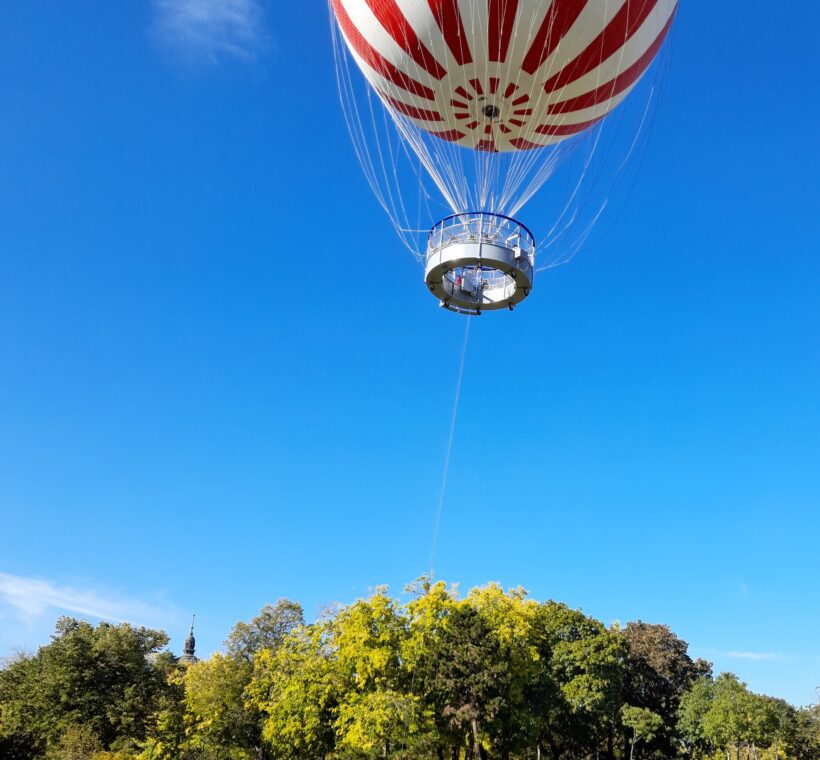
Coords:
pixel 30 598
pixel 756 656
pixel 211 30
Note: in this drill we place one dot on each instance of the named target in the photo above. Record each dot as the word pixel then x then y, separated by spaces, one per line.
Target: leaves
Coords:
pixel 493 675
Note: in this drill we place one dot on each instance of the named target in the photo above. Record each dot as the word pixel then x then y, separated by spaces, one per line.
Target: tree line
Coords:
pixel 493 675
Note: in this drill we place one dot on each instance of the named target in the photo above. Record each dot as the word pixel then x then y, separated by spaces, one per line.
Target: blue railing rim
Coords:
pixel 483 213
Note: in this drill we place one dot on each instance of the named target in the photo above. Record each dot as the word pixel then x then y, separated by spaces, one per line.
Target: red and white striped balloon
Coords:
pixel 504 75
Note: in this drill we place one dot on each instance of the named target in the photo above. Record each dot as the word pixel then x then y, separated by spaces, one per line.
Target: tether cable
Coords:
pixel 446 471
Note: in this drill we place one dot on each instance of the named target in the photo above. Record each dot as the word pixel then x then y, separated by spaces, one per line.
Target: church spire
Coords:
pixel 188 650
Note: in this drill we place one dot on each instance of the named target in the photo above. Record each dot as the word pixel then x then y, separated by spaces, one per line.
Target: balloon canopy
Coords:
pixel 503 75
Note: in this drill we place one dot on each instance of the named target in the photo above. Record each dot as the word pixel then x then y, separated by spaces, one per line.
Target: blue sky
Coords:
pixel 186 430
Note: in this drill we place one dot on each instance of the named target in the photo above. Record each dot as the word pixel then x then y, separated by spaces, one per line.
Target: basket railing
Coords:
pixel 481 227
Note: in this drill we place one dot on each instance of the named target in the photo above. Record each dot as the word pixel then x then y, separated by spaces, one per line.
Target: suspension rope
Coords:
pixel 446 471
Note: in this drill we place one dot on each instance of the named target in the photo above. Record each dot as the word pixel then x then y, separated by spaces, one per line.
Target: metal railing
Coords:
pixel 487 276
pixel 481 227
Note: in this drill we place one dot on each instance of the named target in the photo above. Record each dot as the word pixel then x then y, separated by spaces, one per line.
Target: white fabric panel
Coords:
pixel 623 58
pixel 424 24
pixel 589 24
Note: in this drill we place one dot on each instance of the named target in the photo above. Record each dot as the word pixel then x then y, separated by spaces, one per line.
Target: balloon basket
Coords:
pixel 477 261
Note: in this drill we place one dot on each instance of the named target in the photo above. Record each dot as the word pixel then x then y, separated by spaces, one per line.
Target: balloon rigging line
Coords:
pixel 447 456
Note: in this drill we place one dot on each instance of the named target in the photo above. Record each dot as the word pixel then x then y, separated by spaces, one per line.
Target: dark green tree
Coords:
pixel 465 675
pixel 804 744
pixel 580 682
pixel 659 671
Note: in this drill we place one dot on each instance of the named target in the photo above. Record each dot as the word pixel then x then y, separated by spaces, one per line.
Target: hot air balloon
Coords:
pixel 486 97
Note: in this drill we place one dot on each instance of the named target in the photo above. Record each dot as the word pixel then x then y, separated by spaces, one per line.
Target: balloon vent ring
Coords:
pixel 478 261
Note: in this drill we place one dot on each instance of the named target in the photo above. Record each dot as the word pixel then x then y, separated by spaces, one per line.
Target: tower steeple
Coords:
pixel 188 655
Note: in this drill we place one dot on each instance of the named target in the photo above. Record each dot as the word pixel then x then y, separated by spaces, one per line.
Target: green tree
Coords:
pixel 804 743
pixel 427 614
pixel 773 723
pixel 377 716
pixel 76 743
pixel 580 682
pixel 694 706
pixel 105 679
pixel 510 616
pixel 658 673
pixel 466 675
pixel 296 690
pixel 643 724
pixel 218 720
pixel 167 733
pixel 267 630
pixel 728 723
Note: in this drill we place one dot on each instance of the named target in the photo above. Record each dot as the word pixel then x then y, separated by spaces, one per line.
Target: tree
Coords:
pixel 378 715
pixel 295 689
pixel 427 614
pixel 105 679
pixel 727 723
pixel 580 681
pixel 465 674
pixel 804 744
pixel 76 743
pixel 694 706
pixel 773 723
pixel 267 630
pixel 658 673
pixel 643 723
pixel 510 616
pixel 218 719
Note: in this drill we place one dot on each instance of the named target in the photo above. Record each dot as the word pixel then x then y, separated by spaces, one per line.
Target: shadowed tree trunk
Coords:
pixel 476 744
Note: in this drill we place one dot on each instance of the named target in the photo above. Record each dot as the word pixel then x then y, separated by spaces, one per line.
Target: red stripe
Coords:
pixel 511 88
pixel 414 113
pixel 625 79
pixel 522 144
pixel 374 59
pixel 561 16
pixel 488 146
pixel 461 91
pixel 501 21
pixel 617 33
pixel 448 18
pixel 452 135
pixel 394 21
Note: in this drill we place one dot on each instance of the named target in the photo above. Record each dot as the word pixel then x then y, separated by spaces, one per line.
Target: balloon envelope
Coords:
pixel 503 75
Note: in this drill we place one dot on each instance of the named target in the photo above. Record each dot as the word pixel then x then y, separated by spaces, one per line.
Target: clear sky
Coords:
pixel 222 380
